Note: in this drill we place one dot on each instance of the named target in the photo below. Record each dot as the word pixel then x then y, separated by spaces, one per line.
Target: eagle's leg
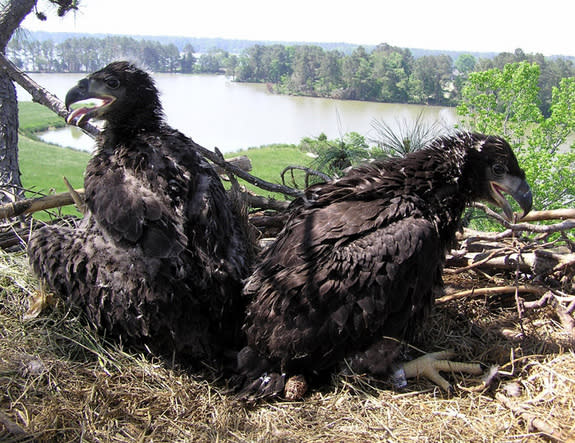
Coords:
pixel 429 366
pixel 378 359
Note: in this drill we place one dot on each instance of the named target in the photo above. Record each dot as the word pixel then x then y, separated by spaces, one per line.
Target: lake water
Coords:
pixel 215 111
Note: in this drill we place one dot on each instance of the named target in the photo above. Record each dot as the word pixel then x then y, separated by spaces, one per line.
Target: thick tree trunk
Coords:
pixel 11 16
pixel 11 187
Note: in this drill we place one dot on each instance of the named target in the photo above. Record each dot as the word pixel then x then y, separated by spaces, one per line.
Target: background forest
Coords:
pixel 383 73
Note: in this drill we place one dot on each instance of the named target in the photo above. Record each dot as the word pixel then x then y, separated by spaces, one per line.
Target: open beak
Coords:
pixel 81 92
pixel 518 189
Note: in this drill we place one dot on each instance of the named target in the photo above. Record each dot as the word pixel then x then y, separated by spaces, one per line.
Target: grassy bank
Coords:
pixel 35 117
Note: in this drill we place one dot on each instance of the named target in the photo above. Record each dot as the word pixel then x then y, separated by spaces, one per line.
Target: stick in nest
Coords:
pixel 534 422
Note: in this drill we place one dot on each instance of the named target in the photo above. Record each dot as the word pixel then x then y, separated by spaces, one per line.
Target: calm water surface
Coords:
pixel 215 111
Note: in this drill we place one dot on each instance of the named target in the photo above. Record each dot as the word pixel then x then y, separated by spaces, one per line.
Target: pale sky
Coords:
pixel 480 25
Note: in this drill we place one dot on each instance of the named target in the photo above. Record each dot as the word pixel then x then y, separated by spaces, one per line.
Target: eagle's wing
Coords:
pixel 124 205
pixel 345 275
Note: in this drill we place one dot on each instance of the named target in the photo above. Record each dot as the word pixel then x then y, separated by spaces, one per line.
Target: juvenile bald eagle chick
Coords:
pixel 356 268
pixel 158 259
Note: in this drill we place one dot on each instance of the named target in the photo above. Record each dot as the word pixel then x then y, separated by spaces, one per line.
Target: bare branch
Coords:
pixel 242 161
pixel 553 214
pixel 480 292
pixel 532 420
pixel 308 173
pixel 525 227
pixel 262 184
pixel 79 201
pixel 30 205
pixel 257 201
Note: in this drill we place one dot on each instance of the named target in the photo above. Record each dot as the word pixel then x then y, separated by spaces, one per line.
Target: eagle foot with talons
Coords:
pixel 429 366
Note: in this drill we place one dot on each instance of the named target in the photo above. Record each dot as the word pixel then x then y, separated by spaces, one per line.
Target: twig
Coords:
pixel 79 201
pixel 553 214
pixel 30 205
pixel 539 303
pixel 40 94
pixel 533 422
pixel 11 426
pixel 308 172
pixel 490 291
pixel 475 264
pixel 521 227
pixel 262 184
pixel 565 318
pixel 257 201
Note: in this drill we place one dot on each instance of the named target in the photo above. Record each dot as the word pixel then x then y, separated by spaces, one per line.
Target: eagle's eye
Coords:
pixel 112 83
pixel 499 169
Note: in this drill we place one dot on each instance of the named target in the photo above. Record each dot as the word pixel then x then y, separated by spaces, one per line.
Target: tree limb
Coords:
pixel 308 173
pixel 553 214
pixel 256 181
pixel 257 201
pixel 519 227
pixel 40 94
pixel 78 200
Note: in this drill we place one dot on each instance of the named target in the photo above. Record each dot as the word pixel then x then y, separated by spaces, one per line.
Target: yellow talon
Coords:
pixel 429 366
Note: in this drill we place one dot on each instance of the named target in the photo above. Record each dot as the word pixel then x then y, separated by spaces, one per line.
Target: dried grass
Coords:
pixel 60 382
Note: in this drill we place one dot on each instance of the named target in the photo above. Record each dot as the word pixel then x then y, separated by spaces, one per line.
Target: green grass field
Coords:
pixel 35 117
pixel 43 165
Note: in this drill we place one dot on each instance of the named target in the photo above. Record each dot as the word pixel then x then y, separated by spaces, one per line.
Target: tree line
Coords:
pixel 385 73
pixel 88 54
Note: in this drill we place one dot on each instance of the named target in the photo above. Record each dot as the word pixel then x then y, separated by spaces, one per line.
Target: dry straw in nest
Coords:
pixel 61 382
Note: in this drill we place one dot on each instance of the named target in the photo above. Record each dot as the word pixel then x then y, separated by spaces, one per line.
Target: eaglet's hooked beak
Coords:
pixel 84 90
pixel 518 189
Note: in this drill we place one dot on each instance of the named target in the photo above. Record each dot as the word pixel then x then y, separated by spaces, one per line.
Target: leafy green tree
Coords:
pixel 277 63
pixel 251 66
pixel 392 68
pixel 504 102
pixel 465 63
pixel 212 62
pixel 551 72
pixel 357 76
pixel 187 60
pixel 434 74
pixel 330 75
pixel 306 64
pixel 230 65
